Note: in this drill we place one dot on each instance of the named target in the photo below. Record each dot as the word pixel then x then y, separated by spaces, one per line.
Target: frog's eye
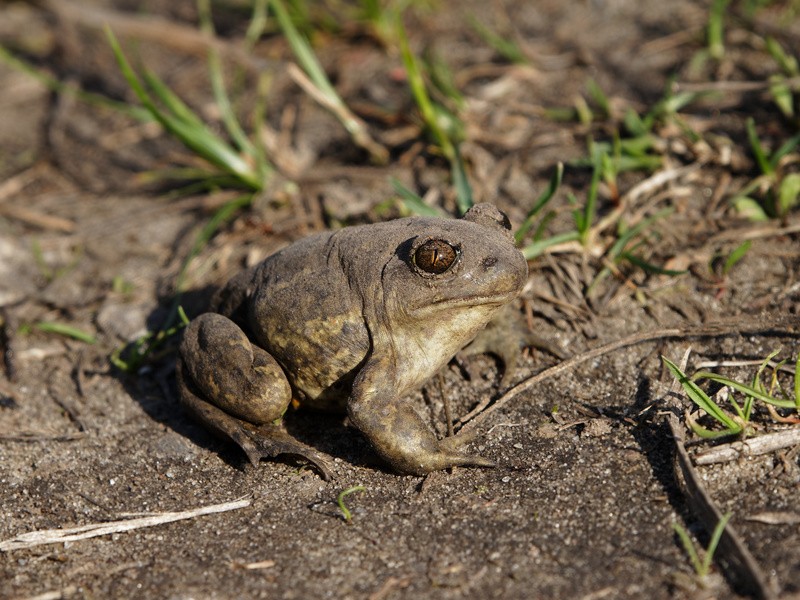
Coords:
pixel 435 256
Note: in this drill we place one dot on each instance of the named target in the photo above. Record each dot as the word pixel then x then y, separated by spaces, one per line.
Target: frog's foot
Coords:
pixel 269 441
pixel 401 437
pixel 429 455
pixel 504 337
pixel 454 445
pixel 257 441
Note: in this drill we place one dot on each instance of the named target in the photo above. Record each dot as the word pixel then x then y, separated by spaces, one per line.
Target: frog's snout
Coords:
pixel 506 270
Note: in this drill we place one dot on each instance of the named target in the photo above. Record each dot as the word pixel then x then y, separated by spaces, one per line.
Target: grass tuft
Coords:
pixel 774 193
pixel 241 165
pixel 442 125
pixel 702 566
pixel 738 424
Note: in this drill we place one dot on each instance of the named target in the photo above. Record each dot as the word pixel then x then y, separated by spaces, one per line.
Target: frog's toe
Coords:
pixel 442 459
pixel 444 454
pixel 269 441
pixel 470 460
pixel 453 446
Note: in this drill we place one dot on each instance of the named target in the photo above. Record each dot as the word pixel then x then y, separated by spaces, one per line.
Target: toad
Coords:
pixel 350 320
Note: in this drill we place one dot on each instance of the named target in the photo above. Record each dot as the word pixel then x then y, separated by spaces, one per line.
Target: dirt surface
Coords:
pixel 583 502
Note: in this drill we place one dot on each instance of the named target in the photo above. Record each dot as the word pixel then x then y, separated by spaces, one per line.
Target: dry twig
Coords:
pixel 756 233
pixel 762 444
pixel 775 518
pixel 82 532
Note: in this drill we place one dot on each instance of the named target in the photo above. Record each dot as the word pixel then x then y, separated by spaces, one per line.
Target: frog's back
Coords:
pixel 304 313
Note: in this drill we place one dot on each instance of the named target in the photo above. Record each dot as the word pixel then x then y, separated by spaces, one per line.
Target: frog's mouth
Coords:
pixel 482 301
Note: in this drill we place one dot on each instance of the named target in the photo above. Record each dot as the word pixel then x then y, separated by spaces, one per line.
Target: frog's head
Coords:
pixel 448 277
pixel 453 264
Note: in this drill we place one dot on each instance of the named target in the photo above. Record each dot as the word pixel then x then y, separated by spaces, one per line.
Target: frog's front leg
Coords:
pixel 398 434
pixel 238 390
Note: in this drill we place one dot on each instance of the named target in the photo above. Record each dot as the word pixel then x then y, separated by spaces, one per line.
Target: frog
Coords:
pixel 351 321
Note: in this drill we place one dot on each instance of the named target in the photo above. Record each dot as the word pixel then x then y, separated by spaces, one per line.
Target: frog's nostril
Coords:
pixel 489 262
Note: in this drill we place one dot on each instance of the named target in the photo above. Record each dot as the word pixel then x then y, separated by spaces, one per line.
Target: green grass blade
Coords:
pixel 788 193
pixel 538 247
pixel 634 124
pixel 340 501
pixel 736 255
pixel 750 209
pixel 431 117
pixel 461 183
pixel 758 152
pixel 784 149
pixel 222 216
pixel 673 103
pixel 716 29
pixel 745 389
pixel 584 223
pixel 229 119
pixel 413 202
pixel 443 80
pixel 131 77
pixel 505 47
pixel 417 84
pixel 332 101
pixel 176 108
pixel 688 546
pixel 544 223
pixel 221 97
pixel 66 331
pixel 541 202
pixel 786 62
pixel 148 346
pixel 636 147
pixel 712 545
pixel 797 383
pixel 599 96
pixel 182 123
pixel 748 408
pixel 782 94
pixel 258 23
pixel 648 267
pixel 265 167
pixel 736 408
pixel 707 434
pixel 184 320
pixel 204 143
pixel 624 239
pixel 302 49
pixel 701 399
pixel 185 125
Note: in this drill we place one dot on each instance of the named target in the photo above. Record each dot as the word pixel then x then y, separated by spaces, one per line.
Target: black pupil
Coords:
pixel 435 256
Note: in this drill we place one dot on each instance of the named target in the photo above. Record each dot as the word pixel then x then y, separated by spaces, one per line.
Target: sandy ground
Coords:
pixel 583 501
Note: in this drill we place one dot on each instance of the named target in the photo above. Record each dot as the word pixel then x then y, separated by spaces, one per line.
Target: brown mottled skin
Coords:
pixel 354 320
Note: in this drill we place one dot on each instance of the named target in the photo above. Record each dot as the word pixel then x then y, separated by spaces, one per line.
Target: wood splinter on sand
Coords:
pixel 82 532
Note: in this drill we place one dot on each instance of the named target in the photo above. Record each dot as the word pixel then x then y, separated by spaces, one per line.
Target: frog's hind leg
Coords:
pixel 238 391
